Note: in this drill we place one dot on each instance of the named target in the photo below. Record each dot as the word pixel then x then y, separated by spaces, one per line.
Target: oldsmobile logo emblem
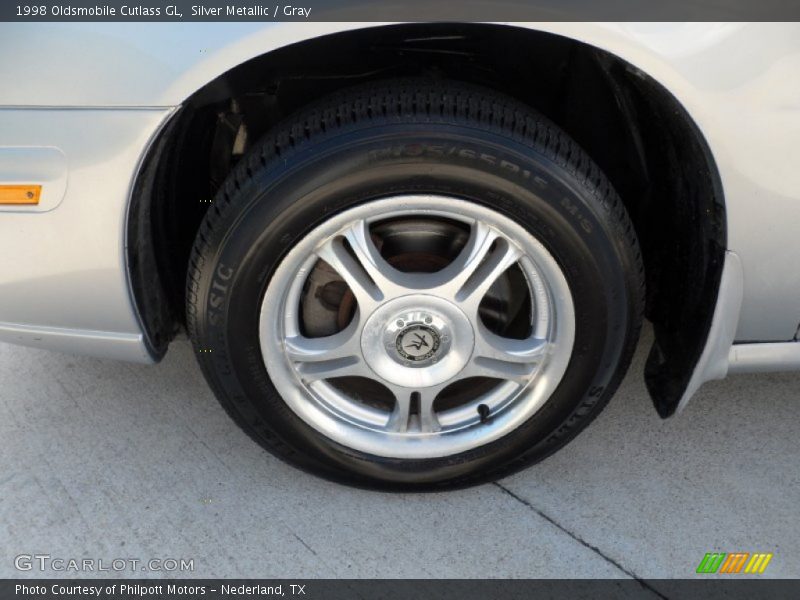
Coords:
pixel 417 342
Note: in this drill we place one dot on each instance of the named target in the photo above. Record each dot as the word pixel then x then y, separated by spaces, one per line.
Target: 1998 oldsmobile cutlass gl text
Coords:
pixel 198 10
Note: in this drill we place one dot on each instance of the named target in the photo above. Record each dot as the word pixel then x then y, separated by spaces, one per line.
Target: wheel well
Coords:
pixel 635 130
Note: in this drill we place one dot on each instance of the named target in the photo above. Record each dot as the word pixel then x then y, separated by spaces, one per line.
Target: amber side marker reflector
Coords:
pixel 20 194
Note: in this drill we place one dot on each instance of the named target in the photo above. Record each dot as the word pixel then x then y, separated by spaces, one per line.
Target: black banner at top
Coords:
pixel 399 10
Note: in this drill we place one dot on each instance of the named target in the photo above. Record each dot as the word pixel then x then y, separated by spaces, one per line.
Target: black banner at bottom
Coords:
pixel 394 589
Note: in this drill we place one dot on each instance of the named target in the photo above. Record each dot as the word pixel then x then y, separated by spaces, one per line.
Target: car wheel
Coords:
pixel 415 284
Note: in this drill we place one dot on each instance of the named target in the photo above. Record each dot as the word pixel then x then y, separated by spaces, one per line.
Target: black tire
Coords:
pixel 398 137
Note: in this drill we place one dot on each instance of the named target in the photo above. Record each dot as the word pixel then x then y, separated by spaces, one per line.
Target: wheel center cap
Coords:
pixel 417 342
pixel 417 338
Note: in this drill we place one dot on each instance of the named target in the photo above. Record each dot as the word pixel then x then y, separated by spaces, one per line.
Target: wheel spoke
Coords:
pixel 505 358
pixel 398 420
pixel 336 355
pixel 334 253
pixel 339 367
pixel 369 276
pixel 360 240
pixel 485 257
pixel 427 417
pixel 497 261
pixel 353 270
pixel 456 274
pixel 413 410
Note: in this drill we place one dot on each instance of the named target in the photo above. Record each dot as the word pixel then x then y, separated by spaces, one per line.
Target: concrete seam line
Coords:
pixel 580 540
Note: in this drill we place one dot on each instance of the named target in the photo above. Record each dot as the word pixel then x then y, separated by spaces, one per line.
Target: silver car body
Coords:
pixel 81 103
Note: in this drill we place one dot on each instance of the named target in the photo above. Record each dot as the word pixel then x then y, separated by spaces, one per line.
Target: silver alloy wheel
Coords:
pixel 417 333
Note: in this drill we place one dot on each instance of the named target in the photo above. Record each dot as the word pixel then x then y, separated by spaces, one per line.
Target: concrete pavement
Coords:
pixel 110 460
